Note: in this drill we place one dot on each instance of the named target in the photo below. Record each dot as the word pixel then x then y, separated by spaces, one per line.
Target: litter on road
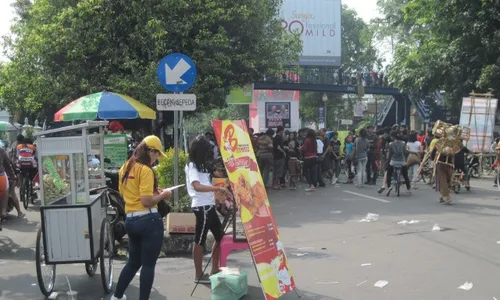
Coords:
pixel 363 282
pixel 406 222
pixel 366 265
pixel 466 286
pixel 436 228
pixel 369 218
pixel 381 283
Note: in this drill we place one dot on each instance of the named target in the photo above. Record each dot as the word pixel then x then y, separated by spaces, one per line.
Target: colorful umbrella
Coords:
pixel 6 126
pixel 104 106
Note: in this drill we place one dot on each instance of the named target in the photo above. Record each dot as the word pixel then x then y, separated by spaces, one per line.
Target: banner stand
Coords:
pixel 230 219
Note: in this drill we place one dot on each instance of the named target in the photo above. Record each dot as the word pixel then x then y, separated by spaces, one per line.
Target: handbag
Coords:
pixel 413 159
pixel 163 208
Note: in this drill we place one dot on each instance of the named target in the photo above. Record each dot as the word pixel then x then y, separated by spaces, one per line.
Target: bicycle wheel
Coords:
pixel 22 193
pixel 106 253
pixel 46 274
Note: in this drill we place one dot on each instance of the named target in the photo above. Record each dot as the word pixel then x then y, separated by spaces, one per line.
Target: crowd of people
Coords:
pixel 319 157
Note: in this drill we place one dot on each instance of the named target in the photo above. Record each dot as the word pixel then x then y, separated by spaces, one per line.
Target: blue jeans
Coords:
pixel 145 234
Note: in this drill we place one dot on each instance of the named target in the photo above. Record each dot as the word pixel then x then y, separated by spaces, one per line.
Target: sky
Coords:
pixel 366 9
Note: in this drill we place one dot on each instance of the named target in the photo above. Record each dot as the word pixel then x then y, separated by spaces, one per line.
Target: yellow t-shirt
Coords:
pixel 140 182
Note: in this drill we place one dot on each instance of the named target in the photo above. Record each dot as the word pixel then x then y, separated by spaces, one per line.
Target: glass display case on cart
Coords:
pixel 74 223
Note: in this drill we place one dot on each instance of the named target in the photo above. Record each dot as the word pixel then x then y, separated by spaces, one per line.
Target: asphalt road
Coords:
pixel 332 254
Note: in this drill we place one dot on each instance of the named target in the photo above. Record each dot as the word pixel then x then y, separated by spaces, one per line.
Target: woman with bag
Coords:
pixel 415 149
pixel 138 186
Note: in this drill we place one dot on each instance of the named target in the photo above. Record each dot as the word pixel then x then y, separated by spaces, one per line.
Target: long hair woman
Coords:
pixel 309 150
pixel 199 186
pixel 138 186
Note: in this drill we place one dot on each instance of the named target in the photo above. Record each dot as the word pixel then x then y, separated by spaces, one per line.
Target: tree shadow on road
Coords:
pixel 12 251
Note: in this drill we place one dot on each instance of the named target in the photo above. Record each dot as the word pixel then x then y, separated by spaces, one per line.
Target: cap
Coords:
pixel 153 142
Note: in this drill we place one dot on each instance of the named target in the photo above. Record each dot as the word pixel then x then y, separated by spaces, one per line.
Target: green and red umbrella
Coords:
pixel 104 106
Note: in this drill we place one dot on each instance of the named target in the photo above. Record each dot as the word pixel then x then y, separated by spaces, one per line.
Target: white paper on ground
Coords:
pixel 466 286
pixel 369 218
pixel 381 283
pixel 363 282
pixel 436 228
pixel 300 254
pixel 405 222
pixel 498 242
pixel 327 282
pixel 366 265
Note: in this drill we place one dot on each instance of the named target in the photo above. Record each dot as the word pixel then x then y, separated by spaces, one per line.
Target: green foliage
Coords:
pixel 451 45
pixel 61 50
pixel 165 173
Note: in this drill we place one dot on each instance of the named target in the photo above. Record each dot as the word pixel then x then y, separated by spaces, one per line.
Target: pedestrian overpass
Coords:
pixel 395 109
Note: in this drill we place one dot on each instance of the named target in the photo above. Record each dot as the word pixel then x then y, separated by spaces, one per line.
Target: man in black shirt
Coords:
pixel 460 164
pixel 371 165
pixel 279 157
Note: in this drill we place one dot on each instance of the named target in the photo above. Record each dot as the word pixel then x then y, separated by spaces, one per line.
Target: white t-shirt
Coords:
pixel 414 147
pixel 198 198
pixel 320 146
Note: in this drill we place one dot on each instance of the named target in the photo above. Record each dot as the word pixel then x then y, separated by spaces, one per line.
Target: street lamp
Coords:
pixel 325 99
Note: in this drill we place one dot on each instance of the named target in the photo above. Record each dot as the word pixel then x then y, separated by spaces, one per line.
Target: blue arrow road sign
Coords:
pixel 176 72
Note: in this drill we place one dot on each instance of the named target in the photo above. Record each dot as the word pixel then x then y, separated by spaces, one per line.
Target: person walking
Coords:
pixel 361 146
pixel 415 149
pixel 310 160
pixel 138 186
pixel 279 157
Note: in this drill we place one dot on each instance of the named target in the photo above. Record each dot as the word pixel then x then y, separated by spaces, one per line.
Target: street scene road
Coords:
pixel 335 251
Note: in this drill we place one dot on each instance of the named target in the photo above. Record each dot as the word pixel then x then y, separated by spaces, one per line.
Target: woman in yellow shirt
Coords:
pixel 138 186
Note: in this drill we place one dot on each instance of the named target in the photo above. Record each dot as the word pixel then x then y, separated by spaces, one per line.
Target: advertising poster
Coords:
pixel 479 115
pixel 242 95
pixel 115 149
pixel 319 25
pixel 255 212
pixel 278 114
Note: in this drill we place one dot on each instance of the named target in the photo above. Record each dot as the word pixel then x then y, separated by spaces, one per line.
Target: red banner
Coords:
pixel 256 215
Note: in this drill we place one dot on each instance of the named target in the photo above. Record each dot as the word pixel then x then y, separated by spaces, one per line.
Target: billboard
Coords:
pixel 278 114
pixel 255 211
pixel 479 115
pixel 319 24
pixel 261 119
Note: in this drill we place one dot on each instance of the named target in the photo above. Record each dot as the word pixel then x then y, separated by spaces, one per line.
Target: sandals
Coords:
pixel 204 279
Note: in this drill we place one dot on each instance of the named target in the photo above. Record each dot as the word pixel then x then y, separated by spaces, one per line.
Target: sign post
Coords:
pixel 176 73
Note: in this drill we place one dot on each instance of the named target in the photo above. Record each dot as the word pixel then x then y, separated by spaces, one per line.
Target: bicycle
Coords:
pixel 26 191
pixel 397 181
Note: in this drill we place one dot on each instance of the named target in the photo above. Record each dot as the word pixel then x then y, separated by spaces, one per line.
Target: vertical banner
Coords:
pixel 255 211
pixel 479 115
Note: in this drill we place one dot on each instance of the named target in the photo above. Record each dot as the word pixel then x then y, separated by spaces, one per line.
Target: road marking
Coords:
pixel 368 197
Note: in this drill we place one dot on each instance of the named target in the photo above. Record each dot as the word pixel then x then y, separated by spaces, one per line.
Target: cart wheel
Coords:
pixel 106 253
pixel 91 268
pixel 46 274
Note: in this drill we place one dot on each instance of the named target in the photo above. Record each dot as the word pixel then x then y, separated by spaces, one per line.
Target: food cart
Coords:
pixel 74 224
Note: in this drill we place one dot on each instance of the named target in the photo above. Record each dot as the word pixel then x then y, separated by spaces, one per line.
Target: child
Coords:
pixel 349 150
pixel 294 166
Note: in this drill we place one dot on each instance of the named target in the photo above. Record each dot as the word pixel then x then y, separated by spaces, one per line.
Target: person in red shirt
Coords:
pixel 116 126
pixel 309 150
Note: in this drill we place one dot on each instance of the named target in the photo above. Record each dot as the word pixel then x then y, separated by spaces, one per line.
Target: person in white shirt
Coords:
pixel 200 189
pixel 320 149
pixel 415 149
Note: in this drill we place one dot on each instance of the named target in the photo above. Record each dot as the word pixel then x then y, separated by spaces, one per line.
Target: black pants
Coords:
pixel 371 167
pixel 310 170
pixel 319 170
pixel 404 172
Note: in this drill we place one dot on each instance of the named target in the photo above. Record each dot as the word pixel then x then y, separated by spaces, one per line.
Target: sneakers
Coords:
pixel 389 191
pixel 381 190
pixel 334 180
pixel 310 189
pixel 114 298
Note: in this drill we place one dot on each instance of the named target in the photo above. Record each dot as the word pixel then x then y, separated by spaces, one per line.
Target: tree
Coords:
pixel 452 45
pixel 60 50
